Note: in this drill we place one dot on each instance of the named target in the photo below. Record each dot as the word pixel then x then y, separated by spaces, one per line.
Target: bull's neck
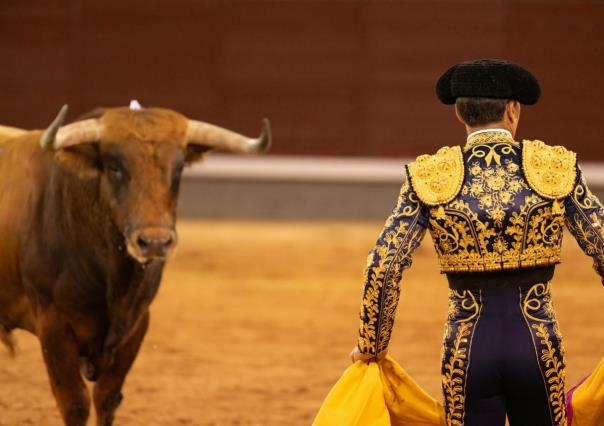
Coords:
pixel 78 222
pixel 85 230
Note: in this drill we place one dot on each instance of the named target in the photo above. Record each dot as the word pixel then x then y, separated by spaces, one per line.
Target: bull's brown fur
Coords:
pixel 7 133
pixel 66 270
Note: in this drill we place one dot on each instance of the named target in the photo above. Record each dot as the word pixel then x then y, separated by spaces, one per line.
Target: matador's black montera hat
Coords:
pixel 488 78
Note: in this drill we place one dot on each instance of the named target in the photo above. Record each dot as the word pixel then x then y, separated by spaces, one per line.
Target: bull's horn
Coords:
pixel 48 138
pixel 200 133
pixel 57 136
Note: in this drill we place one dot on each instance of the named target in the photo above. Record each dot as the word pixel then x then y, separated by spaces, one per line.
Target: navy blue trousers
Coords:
pixel 502 355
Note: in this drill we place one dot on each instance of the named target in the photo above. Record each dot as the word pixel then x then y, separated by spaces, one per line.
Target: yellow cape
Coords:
pixel 586 401
pixel 383 394
pixel 378 394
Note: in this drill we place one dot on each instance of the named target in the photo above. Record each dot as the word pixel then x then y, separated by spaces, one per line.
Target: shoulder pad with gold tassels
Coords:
pixel 437 178
pixel 550 171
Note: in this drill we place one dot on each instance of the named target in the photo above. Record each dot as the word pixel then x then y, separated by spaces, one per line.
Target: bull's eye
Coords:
pixel 114 172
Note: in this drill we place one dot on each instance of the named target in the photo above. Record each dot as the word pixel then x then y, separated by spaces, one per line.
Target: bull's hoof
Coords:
pixel 9 340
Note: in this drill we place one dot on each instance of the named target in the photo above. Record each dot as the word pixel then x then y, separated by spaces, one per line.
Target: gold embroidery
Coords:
pixel 496 223
pixel 538 297
pixel 586 222
pixel 549 170
pixel 453 378
pixel 539 315
pixel 485 138
pixel 590 207
pixel 466 243
pixel 555 374
pixel 437 178
pixel 585 199
pixel 468 303
pixel 559 337
pixel 589 240
pixel 536 233
pixel 464 311
pixel 489 152
pixel 495 188
pixel 385 265
pixel 391 288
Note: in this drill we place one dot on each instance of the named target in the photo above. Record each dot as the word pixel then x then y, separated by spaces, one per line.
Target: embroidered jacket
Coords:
pixel 493 205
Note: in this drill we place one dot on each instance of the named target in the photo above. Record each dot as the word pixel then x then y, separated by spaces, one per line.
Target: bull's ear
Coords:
pixel 195 152
pixel 82 160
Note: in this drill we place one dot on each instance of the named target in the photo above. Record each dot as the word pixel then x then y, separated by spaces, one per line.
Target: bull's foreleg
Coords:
pixel 8 339
pixel 60 352
pixel 107 392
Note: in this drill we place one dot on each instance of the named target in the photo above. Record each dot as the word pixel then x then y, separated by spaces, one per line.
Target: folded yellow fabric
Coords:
pixel 587 400
pixel 378 394
pixel 407 402
pixel 383 394
pixel 357 399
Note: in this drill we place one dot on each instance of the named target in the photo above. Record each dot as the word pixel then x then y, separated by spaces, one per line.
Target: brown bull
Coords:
pixel 87 219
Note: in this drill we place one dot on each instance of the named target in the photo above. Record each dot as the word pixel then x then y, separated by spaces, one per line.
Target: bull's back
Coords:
pixel 23 166
pixel 8 133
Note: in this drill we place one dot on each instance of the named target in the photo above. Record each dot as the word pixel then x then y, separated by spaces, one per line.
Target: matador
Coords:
pixel 495 208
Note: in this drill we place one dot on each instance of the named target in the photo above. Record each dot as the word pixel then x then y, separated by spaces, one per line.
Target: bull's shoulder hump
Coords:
pixel 550 171
pixel 437 178
pixel 7 133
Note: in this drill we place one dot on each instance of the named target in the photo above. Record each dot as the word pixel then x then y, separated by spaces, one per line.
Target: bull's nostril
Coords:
pixel 154 242
pixel 142 242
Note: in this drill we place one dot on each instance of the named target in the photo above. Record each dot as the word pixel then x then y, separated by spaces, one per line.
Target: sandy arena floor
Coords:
pixel 254 323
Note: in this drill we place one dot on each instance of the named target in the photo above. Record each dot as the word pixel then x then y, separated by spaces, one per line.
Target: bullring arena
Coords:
pixel 258 306
pixel 254 322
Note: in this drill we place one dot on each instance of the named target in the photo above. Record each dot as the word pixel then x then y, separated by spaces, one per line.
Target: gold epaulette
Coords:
pixel 549 170
pixel 437 178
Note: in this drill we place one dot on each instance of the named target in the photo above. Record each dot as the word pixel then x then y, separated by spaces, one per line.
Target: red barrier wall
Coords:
pixel 336 77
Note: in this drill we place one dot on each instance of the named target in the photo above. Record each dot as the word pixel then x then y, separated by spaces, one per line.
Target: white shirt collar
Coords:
pixel 488 130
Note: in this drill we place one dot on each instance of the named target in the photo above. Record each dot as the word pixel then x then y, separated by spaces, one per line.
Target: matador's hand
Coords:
pixel 357 355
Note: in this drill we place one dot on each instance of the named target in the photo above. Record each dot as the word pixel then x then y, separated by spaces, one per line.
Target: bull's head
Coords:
pixel 138 156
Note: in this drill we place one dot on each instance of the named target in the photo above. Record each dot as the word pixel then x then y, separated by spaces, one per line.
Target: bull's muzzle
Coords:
pixel 148 244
